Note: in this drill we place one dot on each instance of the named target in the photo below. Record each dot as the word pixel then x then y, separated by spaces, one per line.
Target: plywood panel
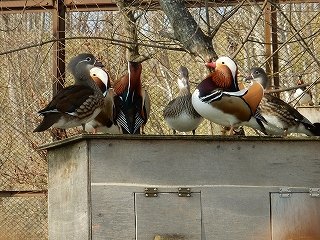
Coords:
pixel 168 216
pixel 296 217
pixel 241 213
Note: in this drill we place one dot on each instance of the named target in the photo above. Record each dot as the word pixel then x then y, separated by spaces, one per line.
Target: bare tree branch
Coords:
pixel 293 36
pixel 251 30
pixel 226 18
pixel 297 33
pixel 131 28
pixel 289 88
pixel 112 40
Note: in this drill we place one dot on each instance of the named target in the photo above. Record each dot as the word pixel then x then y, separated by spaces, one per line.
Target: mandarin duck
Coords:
pixel 180 114
pixel 219 99
pixel 132 103
pixel 104 121
pixel 281 117
pixel 304 97
pixel 77 104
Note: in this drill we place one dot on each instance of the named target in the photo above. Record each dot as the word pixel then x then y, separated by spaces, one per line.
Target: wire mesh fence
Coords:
pixel 26 76
pixel 23 218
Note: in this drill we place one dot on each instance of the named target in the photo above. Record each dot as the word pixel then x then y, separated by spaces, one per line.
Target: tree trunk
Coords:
pixel 131 31
pixel 187 31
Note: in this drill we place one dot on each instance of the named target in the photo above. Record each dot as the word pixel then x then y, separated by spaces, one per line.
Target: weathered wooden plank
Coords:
pixel 113 212
pixel 188 162
pixel 69 193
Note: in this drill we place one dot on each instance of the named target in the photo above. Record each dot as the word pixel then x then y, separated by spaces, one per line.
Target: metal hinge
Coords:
pixel 184 192
pixel 285 192
pixel 151 192
pixel 314 192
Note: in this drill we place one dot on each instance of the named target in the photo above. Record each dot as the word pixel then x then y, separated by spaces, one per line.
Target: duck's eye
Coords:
pixel 94 75
pixel 88 59
pixel 222 62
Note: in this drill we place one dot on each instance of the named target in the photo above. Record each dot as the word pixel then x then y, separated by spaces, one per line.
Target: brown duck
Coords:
pixel 132 103
pixel 77 104
pixel 282 118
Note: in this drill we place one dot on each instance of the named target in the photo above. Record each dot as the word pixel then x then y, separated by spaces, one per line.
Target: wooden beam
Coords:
pixel 58 58
pixel 58 32
pixel 16 6
pixel 26 4
pixel 275 53
pixel 23 193
pixel 267 31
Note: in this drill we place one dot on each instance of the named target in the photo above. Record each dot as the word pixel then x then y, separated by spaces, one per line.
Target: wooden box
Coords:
pixel 184 187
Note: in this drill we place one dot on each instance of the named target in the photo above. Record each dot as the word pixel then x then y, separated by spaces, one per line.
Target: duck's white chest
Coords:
pixel 211 113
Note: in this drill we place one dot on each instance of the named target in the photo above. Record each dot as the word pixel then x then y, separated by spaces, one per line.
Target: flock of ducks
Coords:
pixel 93 104
pixel 96 106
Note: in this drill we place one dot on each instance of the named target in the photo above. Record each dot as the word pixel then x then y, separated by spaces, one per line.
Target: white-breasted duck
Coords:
pixel 219 99
pixel 301 95
pixel 180 114
pixel 103 123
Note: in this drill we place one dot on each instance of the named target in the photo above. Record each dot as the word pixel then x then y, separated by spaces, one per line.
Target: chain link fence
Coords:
pixel 26 79
pixel 23 218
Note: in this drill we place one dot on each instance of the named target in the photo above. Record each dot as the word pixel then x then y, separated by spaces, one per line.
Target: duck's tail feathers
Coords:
pixel 261 121
pixel 316 130
pixel 48 120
